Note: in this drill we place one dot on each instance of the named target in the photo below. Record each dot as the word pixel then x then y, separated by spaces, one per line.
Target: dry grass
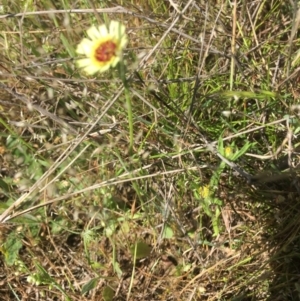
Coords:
pixel 203 205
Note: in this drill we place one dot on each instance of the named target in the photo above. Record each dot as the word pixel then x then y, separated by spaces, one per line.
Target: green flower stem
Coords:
pixel 130 118
pixel 128 103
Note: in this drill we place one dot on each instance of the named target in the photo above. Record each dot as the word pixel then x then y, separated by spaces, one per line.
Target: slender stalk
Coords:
pixel 130 119
pixel 128 105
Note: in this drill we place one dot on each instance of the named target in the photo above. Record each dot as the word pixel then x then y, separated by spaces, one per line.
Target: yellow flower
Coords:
pixel 228 151
pixel 204 191
pixel 103 49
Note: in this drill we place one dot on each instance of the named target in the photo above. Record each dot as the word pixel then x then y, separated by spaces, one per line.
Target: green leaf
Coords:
pixel 241 152
pixel 67 45
pixel 90 285
pixel 168 233
pixel 117 269
pixel 140 250
pixel 108 293
pixel 4 186
pixel 11 249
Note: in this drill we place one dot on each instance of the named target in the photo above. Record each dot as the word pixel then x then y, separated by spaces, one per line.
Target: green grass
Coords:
pixel 173 177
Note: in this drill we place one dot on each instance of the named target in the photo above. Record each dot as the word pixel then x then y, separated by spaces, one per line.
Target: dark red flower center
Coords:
pixel 105 51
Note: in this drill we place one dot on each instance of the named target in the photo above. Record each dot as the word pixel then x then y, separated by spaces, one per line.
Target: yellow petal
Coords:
pixel 85 47
pixel 83 62
pixel 115 61
pixel 92 69
pixel 93 33
pixel 103 30
pixel 123 42
pixel 116 29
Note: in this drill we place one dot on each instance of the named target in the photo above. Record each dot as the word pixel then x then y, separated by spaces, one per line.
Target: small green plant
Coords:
pixel 11 247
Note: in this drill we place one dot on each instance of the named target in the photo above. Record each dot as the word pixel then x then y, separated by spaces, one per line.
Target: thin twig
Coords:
pixel 117 9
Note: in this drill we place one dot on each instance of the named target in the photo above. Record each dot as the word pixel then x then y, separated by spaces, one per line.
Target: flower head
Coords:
pixel 103 49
